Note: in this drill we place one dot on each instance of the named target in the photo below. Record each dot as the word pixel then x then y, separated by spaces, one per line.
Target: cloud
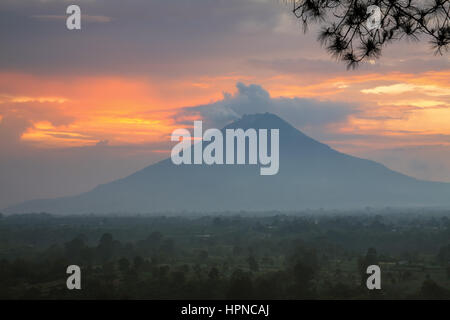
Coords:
pixel 167 38
pixel 85 17
pixel 24 99
pixel 399 88
pixel 102 143
pixel 253 98
pixel 11 128
pixel 419 103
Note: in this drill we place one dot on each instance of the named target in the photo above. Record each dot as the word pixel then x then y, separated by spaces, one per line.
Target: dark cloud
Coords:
pixel 250 99
pixel 170 38
pixel 11 128
pixel 321 67
pixel 141 36
pixel 303 66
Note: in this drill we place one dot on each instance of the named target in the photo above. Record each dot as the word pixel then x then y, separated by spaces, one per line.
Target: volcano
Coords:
pixel 311 175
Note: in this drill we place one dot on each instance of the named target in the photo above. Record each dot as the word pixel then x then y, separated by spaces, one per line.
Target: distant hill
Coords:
pixel 311 175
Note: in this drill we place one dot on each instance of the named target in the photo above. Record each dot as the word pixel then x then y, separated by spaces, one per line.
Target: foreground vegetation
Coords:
pixel 272 255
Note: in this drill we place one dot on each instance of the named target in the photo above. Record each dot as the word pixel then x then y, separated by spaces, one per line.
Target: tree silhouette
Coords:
pixel 253 263
pixel 105 247
pixel 348 37
pixel 124 265
pixel 241 285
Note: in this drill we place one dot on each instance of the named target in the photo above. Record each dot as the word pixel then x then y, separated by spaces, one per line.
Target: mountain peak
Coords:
pixel 260 121
pixel 291 139
pixel 262 116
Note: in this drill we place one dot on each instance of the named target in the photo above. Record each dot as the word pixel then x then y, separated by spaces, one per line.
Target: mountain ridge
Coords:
pixel 311 175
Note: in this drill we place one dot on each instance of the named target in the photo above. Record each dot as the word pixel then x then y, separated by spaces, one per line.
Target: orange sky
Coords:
pixel 122 79
pixel 79 111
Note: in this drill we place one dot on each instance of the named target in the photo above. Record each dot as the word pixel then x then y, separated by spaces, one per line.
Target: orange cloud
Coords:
pixel 77 111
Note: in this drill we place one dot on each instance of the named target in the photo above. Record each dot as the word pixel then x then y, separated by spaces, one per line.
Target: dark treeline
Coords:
pixel 313 255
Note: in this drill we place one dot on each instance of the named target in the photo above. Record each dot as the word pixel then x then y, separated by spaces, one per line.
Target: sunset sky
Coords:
pixel 80 108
